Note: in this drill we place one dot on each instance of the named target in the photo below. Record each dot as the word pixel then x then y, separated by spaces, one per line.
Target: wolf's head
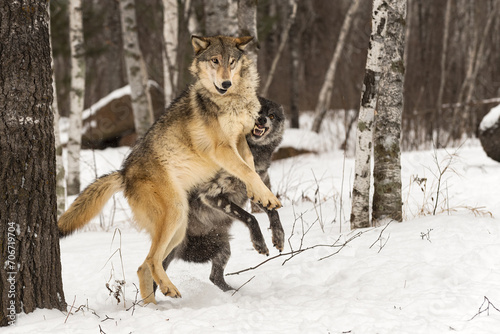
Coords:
pixel 219 61
pixel 269 126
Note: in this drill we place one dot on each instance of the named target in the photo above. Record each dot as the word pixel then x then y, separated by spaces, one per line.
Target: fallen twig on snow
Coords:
pixel 487 309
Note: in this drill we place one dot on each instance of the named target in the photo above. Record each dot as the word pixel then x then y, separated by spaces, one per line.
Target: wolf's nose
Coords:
pixel 226 84
pixel 262 120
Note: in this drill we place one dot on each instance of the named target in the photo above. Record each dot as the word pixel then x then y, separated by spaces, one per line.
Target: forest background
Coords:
pixel 463 64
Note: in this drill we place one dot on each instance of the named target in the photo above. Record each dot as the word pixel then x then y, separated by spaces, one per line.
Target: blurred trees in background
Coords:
pixel 467 56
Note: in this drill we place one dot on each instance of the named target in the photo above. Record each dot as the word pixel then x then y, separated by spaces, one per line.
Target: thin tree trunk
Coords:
pixel 76 95
pixel 136 69
pixel 247 24
pixel 439 109
pixel 326 91
pixel 30 274
pixel 284 38
pixel 221 17
pixel 387 200
pixel 170 36
pixel 360 212
pixel 479 60
pixel 294 76
pixel 60 172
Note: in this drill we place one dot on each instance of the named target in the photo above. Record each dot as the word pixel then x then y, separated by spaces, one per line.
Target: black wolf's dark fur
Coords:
pixel 214 205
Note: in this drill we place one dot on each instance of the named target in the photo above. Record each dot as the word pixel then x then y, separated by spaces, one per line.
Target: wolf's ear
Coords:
pixel 199 44
pixel 242 42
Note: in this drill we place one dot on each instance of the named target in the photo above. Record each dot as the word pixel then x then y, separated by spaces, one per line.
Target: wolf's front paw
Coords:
pixel 266 198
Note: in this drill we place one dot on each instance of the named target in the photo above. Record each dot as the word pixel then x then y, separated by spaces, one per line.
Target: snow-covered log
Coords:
pixel 489 133
pixel 110 121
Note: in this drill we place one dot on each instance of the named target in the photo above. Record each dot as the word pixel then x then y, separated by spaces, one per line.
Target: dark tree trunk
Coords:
pixel 294 75
pixel 30 274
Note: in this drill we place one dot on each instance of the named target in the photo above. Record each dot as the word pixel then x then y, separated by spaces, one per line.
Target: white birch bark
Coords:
pixel 170 36
pixel 136 69
pixel 221 17
pixel 247 25
pixel 325 93
pixel 387 199
pixel 76 95
pixel 284 38
pixel 360 212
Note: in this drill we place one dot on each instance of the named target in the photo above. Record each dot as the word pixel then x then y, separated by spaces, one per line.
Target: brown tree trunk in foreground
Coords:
pixel 30 274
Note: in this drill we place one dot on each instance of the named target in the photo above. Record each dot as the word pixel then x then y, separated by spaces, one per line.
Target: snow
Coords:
pixel 429 274
pixel 490 119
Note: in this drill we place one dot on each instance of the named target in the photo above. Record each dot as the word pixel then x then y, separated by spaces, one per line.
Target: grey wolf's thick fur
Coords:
pixel 202 132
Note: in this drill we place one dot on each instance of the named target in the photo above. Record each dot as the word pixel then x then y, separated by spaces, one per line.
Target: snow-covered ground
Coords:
pixel 430 274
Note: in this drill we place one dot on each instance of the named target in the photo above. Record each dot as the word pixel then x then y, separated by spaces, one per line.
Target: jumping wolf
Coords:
pixel 214 205
pixel 200 133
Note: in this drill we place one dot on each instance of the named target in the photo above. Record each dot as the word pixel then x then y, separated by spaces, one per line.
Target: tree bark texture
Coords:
pixel 387 201
pixel 30 274
pixel 76 95
pixel 170 36
pixel 360 212
pixel 136 69
pixel 326 91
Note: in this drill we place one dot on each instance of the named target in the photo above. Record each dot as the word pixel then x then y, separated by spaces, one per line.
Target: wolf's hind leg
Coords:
pixel 162 210
pixel 219 262
pixel 222 203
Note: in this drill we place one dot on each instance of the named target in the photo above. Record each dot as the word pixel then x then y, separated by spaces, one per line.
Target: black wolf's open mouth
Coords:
pixel 220 90
pixel 259 130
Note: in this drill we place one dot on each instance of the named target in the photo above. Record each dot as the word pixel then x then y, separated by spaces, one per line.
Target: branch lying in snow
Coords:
pixel 293 253
pixel 242 286
pixel 382 245
pixel 486 309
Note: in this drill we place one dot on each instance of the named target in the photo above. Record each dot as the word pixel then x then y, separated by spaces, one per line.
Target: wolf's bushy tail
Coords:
pixel 89 203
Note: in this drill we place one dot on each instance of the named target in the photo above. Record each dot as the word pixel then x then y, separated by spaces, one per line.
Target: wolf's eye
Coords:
pixel 271 117
pixel 232 62
pixel 215 61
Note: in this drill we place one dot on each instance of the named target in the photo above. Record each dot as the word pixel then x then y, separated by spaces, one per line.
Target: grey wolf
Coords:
pixel 214 205
pixel 201 132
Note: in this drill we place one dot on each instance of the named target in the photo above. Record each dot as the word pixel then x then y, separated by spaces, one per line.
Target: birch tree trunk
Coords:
pixel 247 25
pixel 387 200
pixel 30 274
pixel 76 95
pixel 360 212
pixel 221 17
pixel 136 69
pixel 325 93
pixel 170 36
pixel 284 38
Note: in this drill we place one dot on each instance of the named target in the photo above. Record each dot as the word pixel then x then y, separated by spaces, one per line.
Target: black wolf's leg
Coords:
pixel 276 229
pixel 274 218
pixel 223 204
pixel 219 262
